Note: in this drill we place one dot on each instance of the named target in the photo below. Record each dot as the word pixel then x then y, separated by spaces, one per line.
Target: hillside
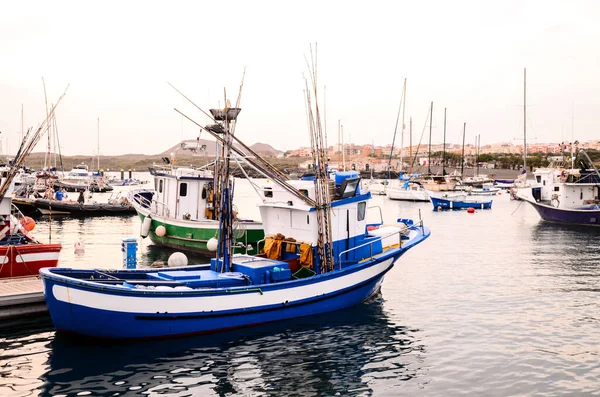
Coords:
pixel 195 153
pixel 206 147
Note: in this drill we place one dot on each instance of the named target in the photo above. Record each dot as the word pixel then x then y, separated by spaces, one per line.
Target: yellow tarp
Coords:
pixel 290 247
pixel 306 255
pixel 273 247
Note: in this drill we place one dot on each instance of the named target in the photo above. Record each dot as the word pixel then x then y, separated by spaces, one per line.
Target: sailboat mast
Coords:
pixel 430 123
pixel 343 149
pixel 339 144
pixel 478 146
pixel 525 118
pixel 400 108
pixel 47 156
pixel 325 118
pixel 98 137
pixel 402 132
pixel 444 147
pixel 462 157
pixel 410 147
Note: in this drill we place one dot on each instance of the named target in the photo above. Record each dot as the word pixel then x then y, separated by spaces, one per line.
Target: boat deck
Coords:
pixel 21 296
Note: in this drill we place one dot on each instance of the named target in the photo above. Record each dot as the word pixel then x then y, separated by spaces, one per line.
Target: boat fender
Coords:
pixel 177 259
pixel 160 231
pixel 145 228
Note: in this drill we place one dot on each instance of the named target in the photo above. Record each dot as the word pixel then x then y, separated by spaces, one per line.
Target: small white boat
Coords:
pixel 408 191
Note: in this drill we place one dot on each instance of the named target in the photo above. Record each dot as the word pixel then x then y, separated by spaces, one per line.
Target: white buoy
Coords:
pixel 145 226
pixel 212 244
pixel 178 259
pixel 79 247
pixel 160 231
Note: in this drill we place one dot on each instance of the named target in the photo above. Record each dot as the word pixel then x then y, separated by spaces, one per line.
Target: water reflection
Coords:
pixel 354 350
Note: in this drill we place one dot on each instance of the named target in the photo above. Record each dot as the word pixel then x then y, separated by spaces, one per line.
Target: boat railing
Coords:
pixel 159 208
pixel 156 207
pixel 399 232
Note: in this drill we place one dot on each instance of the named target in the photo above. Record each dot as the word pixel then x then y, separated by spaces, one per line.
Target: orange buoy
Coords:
pixel 27 223
pixel 471 210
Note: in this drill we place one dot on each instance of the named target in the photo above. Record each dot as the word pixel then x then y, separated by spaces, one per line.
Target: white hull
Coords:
pixel 407 195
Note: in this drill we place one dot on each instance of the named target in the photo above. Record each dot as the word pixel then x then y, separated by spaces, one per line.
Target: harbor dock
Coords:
pixel 22 296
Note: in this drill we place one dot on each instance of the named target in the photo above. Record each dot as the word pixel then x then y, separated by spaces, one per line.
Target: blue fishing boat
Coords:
pixel 459 202
pixel 320 255
pixel 581 215
pixel 566 195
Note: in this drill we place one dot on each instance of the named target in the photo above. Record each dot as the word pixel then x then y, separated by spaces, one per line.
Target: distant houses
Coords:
pixel 376 158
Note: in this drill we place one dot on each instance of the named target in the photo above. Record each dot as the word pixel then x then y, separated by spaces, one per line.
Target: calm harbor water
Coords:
pixel 495 303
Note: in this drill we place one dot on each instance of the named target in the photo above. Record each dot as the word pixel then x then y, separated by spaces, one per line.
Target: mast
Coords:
pixel 226 119
pixel 325 118
pixel 339 144
pixel 47 156
pixel 98 133
pixel 21 122
pixel 525 118
pixel 478 146
pixel 410 148
pixel 396 130
pixel 444 150
pixel 322 196
pixel 343 149
pixel 403 127
pixel 462 157
pixel 429 155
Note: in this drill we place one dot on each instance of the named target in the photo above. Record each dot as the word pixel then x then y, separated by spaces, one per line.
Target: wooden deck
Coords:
pixel 21 297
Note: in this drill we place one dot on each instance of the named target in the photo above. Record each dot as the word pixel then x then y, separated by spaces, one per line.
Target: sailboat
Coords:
pixel 320 255
pixel 521 181
pixel 431 182
pixel 409 188
pixel 21 254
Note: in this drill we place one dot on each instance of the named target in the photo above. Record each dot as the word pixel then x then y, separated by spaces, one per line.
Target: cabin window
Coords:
pixel 538 178
pixel 160 186
pixel 556 188
pixel 308 219
pixel 182 189
pixel 544 183
pixel 268 192
pixel 304 192
pixel 362 209
pixel 580 195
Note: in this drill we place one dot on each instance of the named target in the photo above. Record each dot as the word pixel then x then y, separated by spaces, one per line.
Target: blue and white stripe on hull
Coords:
pixel 78 309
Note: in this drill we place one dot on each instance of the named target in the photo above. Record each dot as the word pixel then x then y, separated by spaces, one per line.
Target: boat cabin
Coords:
pixel 183 193
pixel 566 188
pixel 291 226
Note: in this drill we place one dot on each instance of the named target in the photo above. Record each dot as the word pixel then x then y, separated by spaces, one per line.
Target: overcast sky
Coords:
pixel 467 56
